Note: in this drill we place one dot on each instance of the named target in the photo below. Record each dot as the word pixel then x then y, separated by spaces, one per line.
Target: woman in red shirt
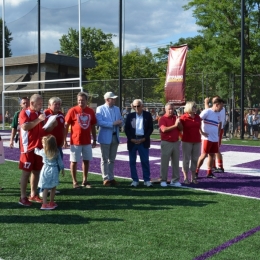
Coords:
pixel 191 141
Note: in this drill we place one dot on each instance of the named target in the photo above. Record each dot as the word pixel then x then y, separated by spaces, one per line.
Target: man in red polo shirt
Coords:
pixel 170 128
pixel 82 120
pixel 30 120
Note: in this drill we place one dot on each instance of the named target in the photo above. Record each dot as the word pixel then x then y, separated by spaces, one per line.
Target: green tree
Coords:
pixel 220 23
pixel 93 40
pixel 8 39
pixel 136 65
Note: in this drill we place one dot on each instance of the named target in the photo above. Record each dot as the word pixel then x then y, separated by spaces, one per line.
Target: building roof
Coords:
pixel 60 59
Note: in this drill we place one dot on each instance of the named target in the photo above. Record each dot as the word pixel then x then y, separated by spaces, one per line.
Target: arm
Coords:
pixel 14 130
pixel 94 135
pixel 166 129
pixel 38 151
pixel 206 102
pixel 30 125
pixel 66 129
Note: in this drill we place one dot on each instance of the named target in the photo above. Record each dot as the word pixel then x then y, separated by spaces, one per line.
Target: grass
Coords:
pixel 124 223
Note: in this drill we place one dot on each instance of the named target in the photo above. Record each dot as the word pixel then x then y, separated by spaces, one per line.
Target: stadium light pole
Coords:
pixel 242 130
pixel 39 43
pixel 120 54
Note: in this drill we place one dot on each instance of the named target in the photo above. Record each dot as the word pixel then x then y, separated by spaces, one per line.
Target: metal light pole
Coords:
pixel 39 43
pixel 242 130
pixel 120 54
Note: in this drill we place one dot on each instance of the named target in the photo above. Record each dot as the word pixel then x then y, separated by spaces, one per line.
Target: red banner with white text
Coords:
pixel 175 76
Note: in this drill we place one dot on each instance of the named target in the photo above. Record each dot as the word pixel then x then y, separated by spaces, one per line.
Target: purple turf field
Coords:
pixel 241 177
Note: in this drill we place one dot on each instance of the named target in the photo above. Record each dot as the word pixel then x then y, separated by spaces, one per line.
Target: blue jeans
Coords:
pixel 144 156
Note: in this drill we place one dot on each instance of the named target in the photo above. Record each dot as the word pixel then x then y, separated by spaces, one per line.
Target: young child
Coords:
pixel 52 165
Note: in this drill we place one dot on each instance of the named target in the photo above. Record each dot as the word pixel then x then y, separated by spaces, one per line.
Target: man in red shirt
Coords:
pixel 170 128
pixel 57 128
pixel 82 120
pixel 30 120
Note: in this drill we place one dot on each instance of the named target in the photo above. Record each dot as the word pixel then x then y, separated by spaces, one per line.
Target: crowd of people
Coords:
pixel 43 133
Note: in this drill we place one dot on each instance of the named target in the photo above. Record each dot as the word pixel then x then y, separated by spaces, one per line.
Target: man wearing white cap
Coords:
pixel 108 119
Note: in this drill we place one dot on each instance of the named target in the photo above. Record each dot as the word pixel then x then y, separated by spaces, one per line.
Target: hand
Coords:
pixel 65 144
pixel 205 134
pixel 94 144
pixel 11 144
pixel 42 117
pixel 207 100
pixel 118 122
pixel 62 172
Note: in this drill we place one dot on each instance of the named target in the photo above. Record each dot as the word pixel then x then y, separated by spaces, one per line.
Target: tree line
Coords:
pixel 213 60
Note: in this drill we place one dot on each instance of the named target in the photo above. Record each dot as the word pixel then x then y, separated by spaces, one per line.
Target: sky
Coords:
pixel 146 23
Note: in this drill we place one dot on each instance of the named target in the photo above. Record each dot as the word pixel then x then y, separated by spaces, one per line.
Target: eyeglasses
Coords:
pixel 194 107
pixel 137 106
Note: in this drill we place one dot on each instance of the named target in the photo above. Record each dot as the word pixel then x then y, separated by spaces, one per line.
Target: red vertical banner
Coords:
pixel 175 76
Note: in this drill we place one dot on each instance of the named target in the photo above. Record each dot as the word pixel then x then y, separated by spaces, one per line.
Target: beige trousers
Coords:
pixel 190 155
pixel 170 150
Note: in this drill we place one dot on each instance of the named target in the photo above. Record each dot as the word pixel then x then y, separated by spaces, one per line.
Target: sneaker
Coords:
pixel 163 184
pixel 175 184
pixel 107 183
pixel 114 183
pixel 25 202
pixel 53 204
pixel 134 184
pixel 35 199
pixel 212 176
pixel 148 184
pixel 47 207
pixel 219 170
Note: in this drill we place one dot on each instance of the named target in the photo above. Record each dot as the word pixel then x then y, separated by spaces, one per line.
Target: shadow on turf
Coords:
pixel 54 219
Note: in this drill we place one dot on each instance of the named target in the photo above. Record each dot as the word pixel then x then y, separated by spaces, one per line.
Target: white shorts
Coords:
pixel 77 150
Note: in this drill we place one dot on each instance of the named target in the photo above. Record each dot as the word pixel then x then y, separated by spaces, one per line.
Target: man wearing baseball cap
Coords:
pixel 108 119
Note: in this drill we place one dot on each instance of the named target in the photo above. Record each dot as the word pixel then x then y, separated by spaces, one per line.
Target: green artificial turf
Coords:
pixel 124 222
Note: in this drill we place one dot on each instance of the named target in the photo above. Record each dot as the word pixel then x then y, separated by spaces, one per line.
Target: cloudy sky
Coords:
pixel 147 23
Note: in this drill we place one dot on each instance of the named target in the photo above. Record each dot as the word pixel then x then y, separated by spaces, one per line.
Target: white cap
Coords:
pixel 109 95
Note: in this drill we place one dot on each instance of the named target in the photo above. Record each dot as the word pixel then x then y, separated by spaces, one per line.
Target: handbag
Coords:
pixel 2 154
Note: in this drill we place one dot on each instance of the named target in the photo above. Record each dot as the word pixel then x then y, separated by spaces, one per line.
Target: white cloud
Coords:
pixel 148 23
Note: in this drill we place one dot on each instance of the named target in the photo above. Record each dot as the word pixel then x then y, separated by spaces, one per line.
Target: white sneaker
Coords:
pixel 134 184
pixel 164 184
pixel 148 184
pixel 175 184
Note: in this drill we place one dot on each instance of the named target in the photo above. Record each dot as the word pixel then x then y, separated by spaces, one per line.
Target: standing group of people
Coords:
pixel 41 142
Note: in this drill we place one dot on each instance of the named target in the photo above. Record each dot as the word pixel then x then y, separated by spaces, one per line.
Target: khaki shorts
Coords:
pixel 77 150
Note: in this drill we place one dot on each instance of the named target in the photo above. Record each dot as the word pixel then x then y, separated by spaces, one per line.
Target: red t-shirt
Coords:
pixel 32 138
pixel 191 128
pixel 81 121
pixel 57 131
pixel 171 136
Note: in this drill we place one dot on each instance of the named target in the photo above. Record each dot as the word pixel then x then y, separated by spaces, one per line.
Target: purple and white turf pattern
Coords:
pixel 241 163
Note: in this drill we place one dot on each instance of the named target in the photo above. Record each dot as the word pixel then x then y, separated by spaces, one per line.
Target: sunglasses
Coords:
pixel 137 106
pixel 194 107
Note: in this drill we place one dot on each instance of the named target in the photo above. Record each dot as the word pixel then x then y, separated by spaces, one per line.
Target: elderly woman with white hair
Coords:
pixel 191 141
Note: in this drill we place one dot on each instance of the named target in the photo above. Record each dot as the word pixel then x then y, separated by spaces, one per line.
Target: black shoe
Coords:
pixel 212 176
pixel 219 170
